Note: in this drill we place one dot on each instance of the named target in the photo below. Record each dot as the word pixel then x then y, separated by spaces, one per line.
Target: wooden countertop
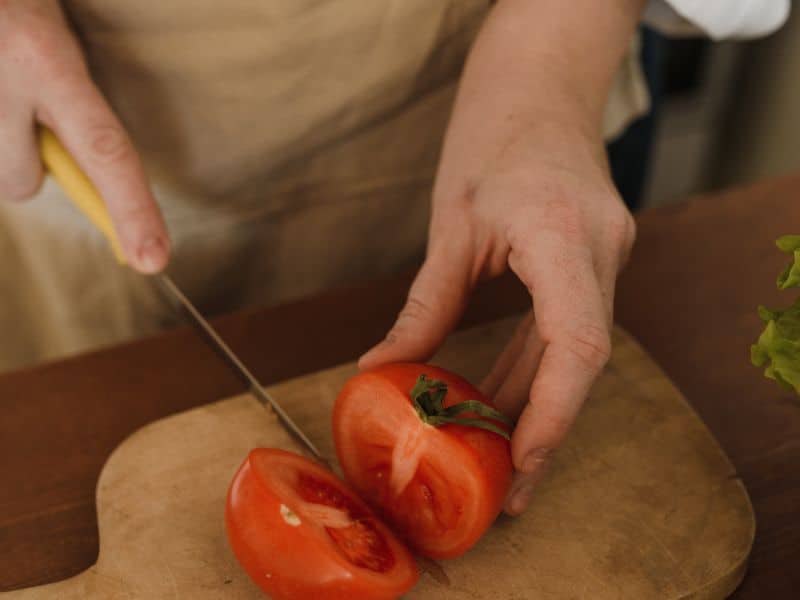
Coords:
pixel 697 273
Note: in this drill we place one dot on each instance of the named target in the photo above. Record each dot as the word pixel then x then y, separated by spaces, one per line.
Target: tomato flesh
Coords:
pixel 359 540
pixel 439 487
pixel 300 533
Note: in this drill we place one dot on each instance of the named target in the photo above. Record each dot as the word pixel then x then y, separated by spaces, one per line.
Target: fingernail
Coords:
pixel 521 498
pixel 152 255
pixel 535 459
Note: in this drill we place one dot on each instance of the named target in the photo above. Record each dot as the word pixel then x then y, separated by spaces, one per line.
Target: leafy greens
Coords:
pixel 778 347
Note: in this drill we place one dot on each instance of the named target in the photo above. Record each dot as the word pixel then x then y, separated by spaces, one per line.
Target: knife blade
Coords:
pixel 83 194
pixel 195 317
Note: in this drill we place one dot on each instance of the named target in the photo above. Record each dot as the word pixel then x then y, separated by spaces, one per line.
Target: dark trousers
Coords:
pixel 629 155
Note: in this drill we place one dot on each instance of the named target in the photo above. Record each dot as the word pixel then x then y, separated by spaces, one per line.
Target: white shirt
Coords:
pixel 718 19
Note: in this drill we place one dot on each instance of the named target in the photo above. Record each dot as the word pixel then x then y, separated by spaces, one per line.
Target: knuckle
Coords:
pixel 621 230
pixel 20 184
pixel 414 310
pixel 591 345
pixel 560 216
pixel 108 145
pixel 630 240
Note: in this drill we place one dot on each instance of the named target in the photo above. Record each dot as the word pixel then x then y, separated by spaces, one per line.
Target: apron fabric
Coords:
pixel 291 145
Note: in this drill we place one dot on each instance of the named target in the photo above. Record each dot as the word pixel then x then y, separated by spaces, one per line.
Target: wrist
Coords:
pixel 552 57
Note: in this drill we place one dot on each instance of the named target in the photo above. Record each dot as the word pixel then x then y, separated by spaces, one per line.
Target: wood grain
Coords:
pixel 61 421
pixel 608 522
pixel 688 295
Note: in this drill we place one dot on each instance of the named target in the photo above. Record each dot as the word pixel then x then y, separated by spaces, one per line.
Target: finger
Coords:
pixel 513 394
pixel 508 357
pixel 522 489
pixel 613 244
pixel 20 168
pixel 83 121
pixel 571 320
pixel 435 303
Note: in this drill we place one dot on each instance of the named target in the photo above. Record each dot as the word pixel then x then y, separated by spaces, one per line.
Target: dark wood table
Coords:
pixel 689 295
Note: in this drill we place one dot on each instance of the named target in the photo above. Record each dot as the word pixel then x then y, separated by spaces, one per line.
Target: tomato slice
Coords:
pixel 299 532
pixel 440 488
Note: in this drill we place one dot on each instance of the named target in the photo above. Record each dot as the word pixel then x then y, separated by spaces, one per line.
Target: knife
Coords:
pixel 82 192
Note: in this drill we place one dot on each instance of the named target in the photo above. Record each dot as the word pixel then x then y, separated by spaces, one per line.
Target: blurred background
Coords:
pixel 724 114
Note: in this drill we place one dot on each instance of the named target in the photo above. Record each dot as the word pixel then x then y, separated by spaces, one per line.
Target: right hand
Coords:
pixel 44 78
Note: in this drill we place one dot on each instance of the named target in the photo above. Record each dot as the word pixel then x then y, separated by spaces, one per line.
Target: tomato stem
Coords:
pixel 428 398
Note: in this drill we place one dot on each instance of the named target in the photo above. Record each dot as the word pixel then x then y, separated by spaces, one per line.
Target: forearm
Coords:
pixel 523 184
pixel 546 59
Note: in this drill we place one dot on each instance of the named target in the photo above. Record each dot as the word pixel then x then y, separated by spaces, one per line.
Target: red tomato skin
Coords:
pixel 491 463
pixel 289 563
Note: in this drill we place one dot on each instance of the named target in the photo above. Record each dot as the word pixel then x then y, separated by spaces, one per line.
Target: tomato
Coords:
pixel 299 532
pixel 441 487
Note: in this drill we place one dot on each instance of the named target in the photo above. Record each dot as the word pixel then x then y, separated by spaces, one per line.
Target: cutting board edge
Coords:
pixel 718 589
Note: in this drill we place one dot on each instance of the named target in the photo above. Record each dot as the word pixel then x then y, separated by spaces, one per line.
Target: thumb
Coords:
pixel 435 303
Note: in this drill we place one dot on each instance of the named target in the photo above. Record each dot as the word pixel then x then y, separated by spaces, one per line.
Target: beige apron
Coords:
pixel 292 145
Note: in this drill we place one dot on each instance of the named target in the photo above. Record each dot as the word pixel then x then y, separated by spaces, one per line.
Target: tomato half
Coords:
pixel 440 488
pixel 300 533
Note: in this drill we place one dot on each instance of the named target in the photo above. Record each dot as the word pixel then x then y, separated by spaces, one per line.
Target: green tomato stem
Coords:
pixel 428 396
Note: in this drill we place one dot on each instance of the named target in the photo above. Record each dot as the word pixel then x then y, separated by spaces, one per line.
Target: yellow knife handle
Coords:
pixel 78 187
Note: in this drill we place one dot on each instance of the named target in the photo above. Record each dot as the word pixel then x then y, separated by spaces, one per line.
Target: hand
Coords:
pixel 44 78
pixel 545 208
pixel 523 186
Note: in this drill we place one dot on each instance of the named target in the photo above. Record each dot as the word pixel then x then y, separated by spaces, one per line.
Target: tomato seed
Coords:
pixel 361 542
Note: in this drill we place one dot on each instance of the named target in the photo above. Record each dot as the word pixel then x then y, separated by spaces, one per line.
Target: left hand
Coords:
pixel 544 207
pixel 524 184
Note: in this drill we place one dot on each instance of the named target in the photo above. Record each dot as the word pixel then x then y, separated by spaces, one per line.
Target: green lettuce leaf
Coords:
pixel 791 274
pixel 778 347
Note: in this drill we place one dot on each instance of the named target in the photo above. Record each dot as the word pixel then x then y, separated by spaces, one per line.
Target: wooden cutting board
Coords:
pixel 640 502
